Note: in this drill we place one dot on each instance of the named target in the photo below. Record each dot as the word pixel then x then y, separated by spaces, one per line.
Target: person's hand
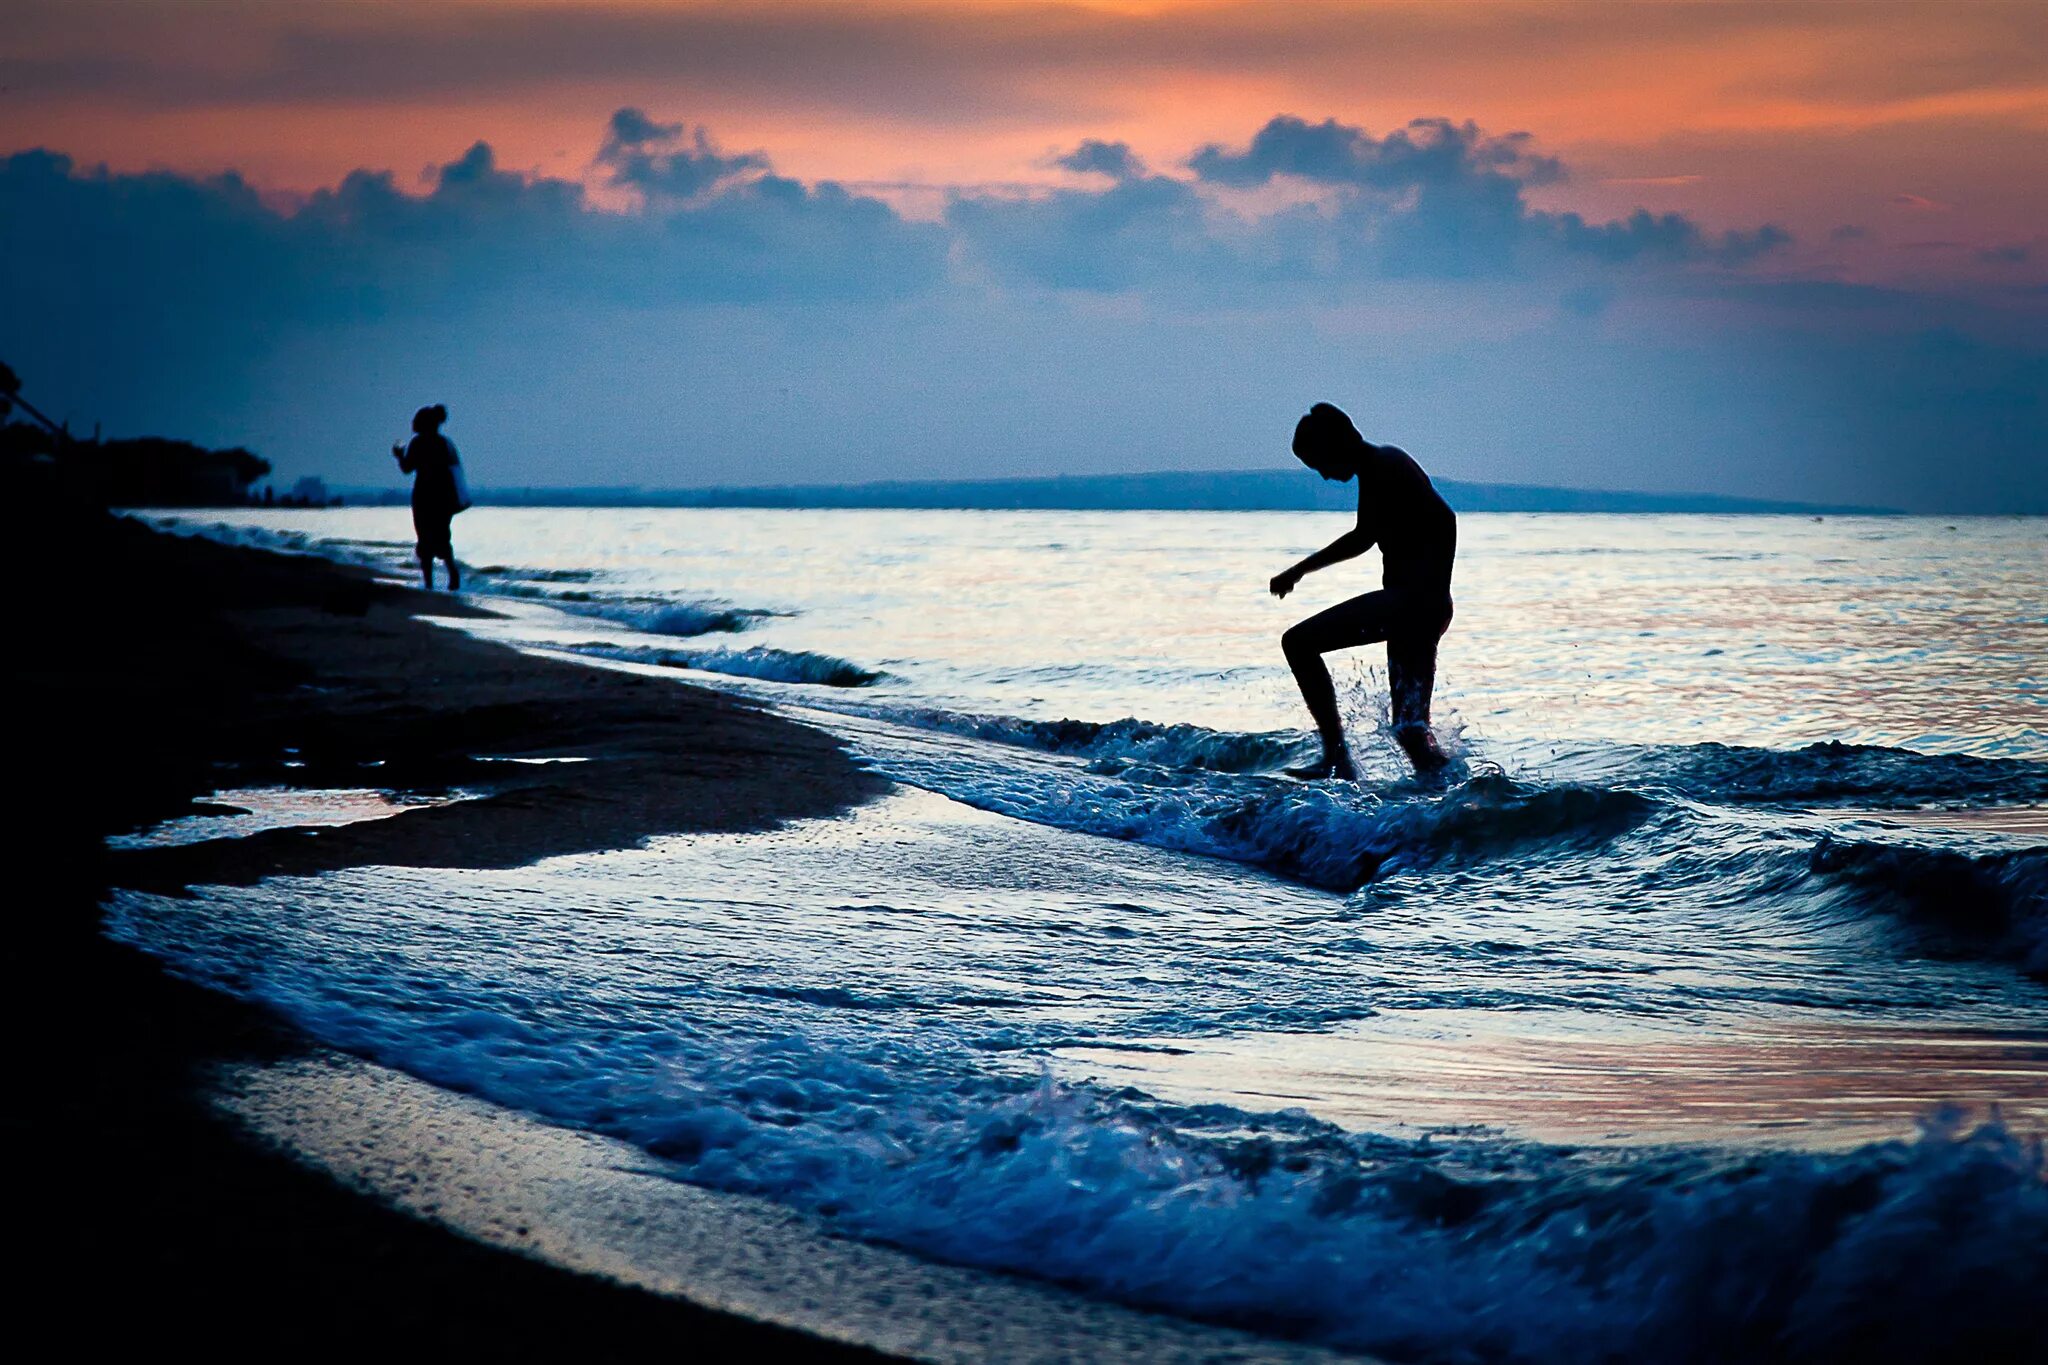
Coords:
pixel 1284 581
pixel 397 452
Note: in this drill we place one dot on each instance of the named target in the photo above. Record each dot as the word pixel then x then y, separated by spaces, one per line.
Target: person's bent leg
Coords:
pixel 427 568
pixel 1360 621
pixel 454 575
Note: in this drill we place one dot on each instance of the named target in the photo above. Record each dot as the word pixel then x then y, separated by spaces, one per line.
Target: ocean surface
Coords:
pixel 1703 1016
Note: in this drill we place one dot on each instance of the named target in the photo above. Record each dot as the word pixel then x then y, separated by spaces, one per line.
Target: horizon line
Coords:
pixel 1154 490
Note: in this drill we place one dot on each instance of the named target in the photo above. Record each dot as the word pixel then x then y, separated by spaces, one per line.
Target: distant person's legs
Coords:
pixel 1411 671
pixel 431 527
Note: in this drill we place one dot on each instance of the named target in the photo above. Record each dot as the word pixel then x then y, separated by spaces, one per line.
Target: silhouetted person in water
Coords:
pixel 1400 511
pixel 436 495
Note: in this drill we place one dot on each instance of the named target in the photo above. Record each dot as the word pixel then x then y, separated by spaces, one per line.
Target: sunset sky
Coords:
pixel 1797 249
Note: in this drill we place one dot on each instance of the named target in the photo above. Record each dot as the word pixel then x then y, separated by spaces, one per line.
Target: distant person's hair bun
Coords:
pixel 427 419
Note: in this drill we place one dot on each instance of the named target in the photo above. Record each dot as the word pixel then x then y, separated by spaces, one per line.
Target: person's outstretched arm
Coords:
pixel 1350 545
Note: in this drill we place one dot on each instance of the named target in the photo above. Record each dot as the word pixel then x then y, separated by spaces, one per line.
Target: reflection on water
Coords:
pixel 237 812
pixel 1798 1081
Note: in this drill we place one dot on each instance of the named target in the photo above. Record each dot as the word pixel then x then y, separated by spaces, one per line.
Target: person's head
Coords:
pixel 429 419
pixel 1327 442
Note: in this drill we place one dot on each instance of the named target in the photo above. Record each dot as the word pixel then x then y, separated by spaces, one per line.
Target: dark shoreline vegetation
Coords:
pixel 139 471
pixel 227 667
pixel 143 471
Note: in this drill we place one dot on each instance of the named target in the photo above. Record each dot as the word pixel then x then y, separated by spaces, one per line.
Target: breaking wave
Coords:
pixel 1979 904
pixel 670 618
pixel 774 665
pixel 648 615
pixel 1329 834
pixel 1819 774
pixel 1139 741
pixel 1419 1251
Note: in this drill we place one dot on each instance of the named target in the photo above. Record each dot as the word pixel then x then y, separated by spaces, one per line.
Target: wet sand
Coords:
pixel 147 673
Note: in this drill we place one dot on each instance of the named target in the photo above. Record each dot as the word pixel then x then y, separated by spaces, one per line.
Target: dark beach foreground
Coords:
pixel 148 671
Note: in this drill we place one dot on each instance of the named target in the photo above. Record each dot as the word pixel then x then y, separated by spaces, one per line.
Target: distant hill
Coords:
pixel 1247 490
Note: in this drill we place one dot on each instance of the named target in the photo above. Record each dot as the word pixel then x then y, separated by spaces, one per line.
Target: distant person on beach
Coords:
pixel 438 491
pixel 1400 511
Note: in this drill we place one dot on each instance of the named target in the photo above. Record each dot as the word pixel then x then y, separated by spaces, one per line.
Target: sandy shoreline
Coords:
pixel 151 671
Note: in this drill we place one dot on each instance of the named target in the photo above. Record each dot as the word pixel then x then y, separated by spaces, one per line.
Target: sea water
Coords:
pixel 1769 631
pixel 1701 1017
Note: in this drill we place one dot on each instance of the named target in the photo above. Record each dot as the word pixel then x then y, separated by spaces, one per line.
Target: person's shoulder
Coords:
pixel 1410 468
pixel 1396 465
pixel 1401 459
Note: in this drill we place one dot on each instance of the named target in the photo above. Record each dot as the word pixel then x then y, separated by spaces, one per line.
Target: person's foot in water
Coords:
pixel 1335 765
pixel 1419 743
pixel 454 577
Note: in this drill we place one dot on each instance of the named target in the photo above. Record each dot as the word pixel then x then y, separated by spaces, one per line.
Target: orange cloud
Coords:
pixel 922 95
pixel 1662 182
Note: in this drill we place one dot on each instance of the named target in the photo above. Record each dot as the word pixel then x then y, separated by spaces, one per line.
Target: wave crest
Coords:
pixel 774 665
pixel 1333 835
pixel 671 618
pixel 1168 745
pixel 1991 904
pixel 1896 1252
pixel 1827 773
